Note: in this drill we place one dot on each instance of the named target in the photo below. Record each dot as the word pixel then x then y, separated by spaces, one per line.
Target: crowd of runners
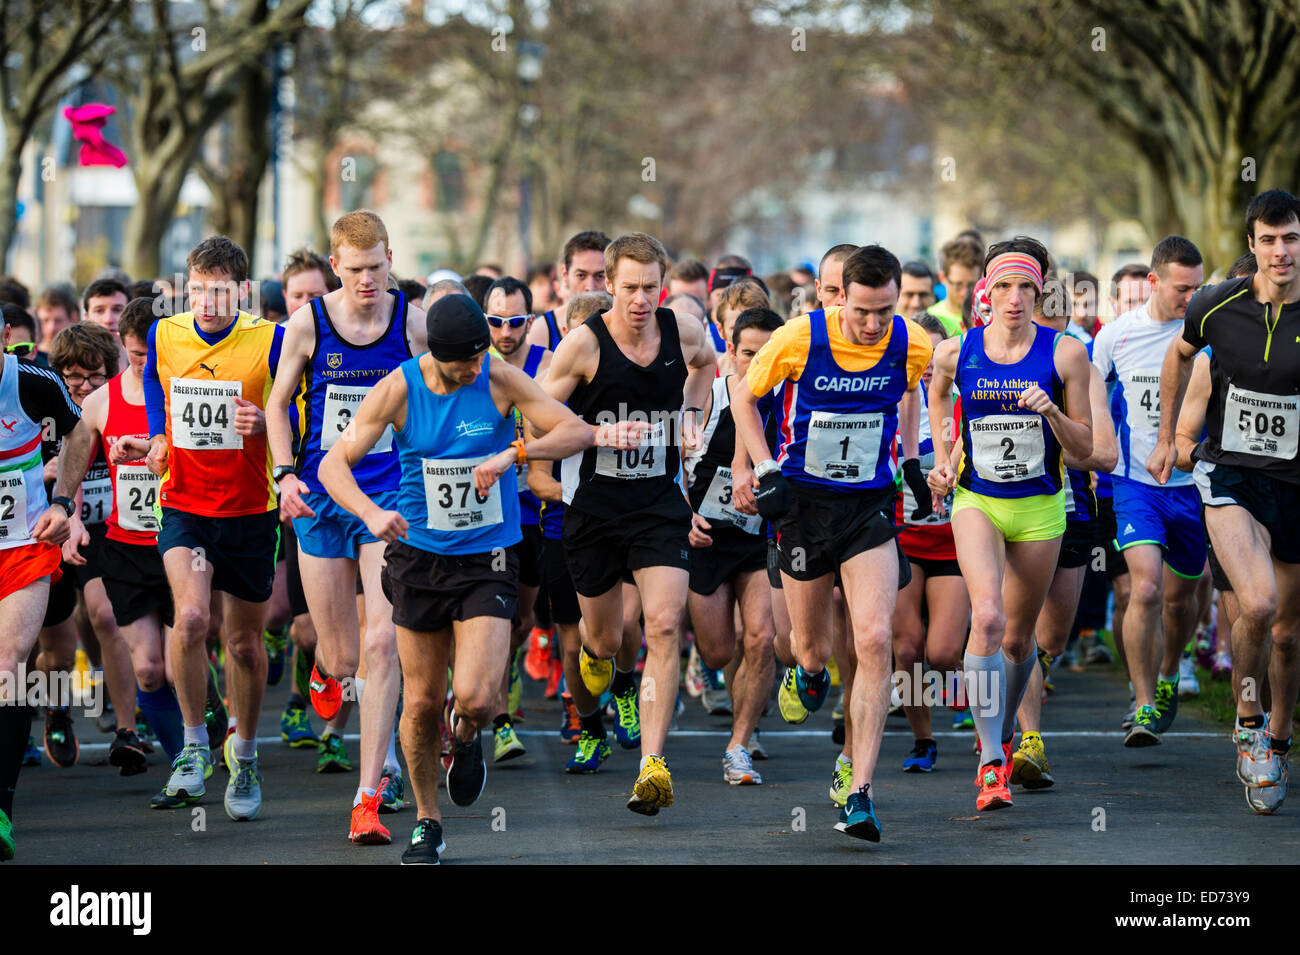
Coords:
pixel 635 481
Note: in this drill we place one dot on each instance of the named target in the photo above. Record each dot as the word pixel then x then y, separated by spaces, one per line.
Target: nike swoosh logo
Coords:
pixel 667 363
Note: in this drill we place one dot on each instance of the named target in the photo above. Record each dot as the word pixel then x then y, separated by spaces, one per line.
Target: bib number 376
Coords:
pixel 452 502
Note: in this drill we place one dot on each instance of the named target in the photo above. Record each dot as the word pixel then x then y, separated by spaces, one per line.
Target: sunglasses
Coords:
pixel 515 321
pixel 21 349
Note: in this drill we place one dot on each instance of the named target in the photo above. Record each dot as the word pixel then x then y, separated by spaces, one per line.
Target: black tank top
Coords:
pixel 604 481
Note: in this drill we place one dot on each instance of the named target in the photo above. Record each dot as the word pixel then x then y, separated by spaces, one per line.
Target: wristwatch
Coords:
pixel 280 470
pixel 766 468
pixel 68 504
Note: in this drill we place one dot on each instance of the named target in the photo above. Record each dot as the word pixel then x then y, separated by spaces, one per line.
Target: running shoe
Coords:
pixel 244 790
pixel 895 700
pixel 392 791
pixel 841 780
pixel 922 757
pixel 555 679
pixel 506 744
pixel 326 694
pixel 716 699
pixel 366 829
pixel 60 740
pixel 1166 703
pixel 591 752
pixel 276 645
pixel 1204 646
pixel 654 788
pixel 596 674
pixel 295 728
pixel 833 669
pixel 571 725
pixel 215 716
pixel 1257 762
pixel 127 754
pixel 1029 766
pixel 192 765
pixel 1098 654
pixel 467 774
pixel 755 746
pixel 142 730
pixel 696 682
pixel 1127 722
pixel 1188 685
pixel 6 838
pixel 1222 669
pixel 537 658
pixel 426 844
pixel 1267 800
pixel 787 699
pixel 627 725
pixel 738 768
pixel 515 694
pixel 32 755
pixel 106 721
pixel 332 755
pixel 962 720
pixel 1144 731
pixel 858 817
pixel 993 791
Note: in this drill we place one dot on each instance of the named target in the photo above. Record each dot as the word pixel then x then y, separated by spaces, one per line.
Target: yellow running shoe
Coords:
pixel 833 669
pixel 787 700
pixel 1029 767
pixel 841 781
pixel 654 788
pixel 596 674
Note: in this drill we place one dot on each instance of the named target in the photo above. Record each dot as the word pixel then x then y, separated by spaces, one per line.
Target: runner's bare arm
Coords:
pixel 295 352
pixel 542 483
pixel 943 475
pixel 417 330
pixel 743 481
pixel 1191 419
pixel 1175 371
pixel 79 446
pixel 1105 449
pixel 702 360
pixel 1072 424
pixel 383 406
pixel 572 363
pixel 909 422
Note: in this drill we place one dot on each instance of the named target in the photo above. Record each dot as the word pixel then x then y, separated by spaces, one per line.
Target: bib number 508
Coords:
pixel 1260 423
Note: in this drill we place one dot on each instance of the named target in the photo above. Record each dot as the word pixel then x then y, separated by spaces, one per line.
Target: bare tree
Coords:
pixel 47 48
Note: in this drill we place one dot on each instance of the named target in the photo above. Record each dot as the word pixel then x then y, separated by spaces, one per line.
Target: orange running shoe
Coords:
pixel 993 790
pixel 367 830
pixel 326 694
pixel 537 659
pixel 553 684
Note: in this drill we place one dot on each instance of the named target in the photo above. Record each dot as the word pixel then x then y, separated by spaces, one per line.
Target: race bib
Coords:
pixel 203 415
pixel 646 461
pixel 1142 396
pixel 1008 447
pixel 452 502
pixel 341 403
pixel 1258 423
pixel 717 505
pixel 843 447
pixel 137 491
pixel 13 507
pixel 96 500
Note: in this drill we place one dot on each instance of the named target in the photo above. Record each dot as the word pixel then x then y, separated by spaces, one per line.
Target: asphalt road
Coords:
pixel 1175 804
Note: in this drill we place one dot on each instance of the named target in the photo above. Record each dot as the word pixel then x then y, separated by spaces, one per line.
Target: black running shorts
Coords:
pixel 429 591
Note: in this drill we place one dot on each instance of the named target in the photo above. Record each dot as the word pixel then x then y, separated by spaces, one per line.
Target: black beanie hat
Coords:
pixel 457 329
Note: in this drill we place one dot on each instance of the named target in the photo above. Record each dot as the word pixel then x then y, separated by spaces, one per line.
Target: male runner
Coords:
pixel 960 267
pixel 1158 529
pixel 850 385
pixel 582 269
pixel 449 571
pixel 624 509
pixel 30 535
pixel 916 296
pixel 1252 455
pixel 219 524
pixel 346 342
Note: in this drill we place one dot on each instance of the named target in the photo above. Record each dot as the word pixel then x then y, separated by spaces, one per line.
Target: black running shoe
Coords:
pixel 60 741
pixel 164 801
pixel 426 843
pixel 126 753
pixel 467 774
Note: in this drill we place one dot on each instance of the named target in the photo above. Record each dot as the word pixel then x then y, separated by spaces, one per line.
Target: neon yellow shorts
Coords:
pixel 1037 518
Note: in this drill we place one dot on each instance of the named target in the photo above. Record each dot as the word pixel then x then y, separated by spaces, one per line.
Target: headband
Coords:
pixel 1014 265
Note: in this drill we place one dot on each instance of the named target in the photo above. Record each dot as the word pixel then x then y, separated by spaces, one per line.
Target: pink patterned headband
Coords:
pixel 1014 265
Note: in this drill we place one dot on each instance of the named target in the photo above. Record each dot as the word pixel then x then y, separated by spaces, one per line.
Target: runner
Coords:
pixel 960 267
pixel 729 554
pixel 625 511
pixel 448 570
pixel 346 342
pixel 845 372
pixel 1008 513
pixel 916 296
pixel 219 526
pixel 1253 420
pixel 31 533
pixel 739 296
pixel 582 269
pixel 1158 528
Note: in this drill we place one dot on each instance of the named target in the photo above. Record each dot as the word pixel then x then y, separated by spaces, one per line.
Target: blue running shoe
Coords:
pixel 591 752
pixel 962 720
pixel 295 728
pixel 392 791
pixel 812 690
pixel 922 758
pixel 858 817
pixel 627 726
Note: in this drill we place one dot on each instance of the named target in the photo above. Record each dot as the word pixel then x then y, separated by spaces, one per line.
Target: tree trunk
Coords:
pixel 11 168
pixel 251 137
pixel 158 180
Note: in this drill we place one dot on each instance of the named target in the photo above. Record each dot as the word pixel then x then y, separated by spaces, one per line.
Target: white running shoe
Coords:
pixel 1257 764
pixel 1187 682
pixel 755 746
pixel 244 791
pixel 738 769
pixel 190 767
